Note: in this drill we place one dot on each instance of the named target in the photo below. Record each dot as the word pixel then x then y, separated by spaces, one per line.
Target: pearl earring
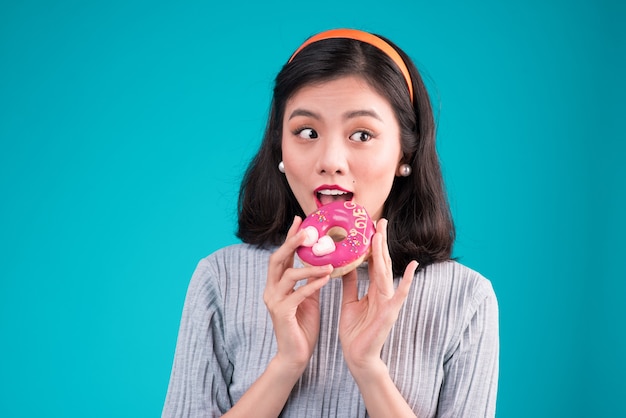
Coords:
pixel 281 167
pixel 405 170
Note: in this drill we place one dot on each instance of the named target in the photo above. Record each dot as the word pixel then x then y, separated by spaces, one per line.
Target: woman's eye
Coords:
pixel 307 133
pixel 361 136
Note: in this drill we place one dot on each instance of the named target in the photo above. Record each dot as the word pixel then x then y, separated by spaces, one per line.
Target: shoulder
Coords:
pixel 234 265
pixel 234 259
pixel 462 282
pixel 465 297
pixel 230 261
pixel 454 293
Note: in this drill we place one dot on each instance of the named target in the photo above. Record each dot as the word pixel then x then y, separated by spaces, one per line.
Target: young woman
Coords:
pixel 409 332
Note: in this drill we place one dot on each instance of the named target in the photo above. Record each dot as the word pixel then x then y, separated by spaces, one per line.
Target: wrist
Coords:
pixel 368 371
pixel 288 369
pixel 380 394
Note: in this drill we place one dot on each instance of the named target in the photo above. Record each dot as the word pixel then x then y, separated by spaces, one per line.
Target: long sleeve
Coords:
pixel 471 369
pixel 201 372
pixel 442 353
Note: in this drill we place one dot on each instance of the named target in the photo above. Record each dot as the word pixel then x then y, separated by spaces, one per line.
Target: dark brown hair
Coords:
pixel 420 222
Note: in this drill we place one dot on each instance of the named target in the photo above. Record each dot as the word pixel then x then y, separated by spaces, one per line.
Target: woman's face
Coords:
pixel 341 140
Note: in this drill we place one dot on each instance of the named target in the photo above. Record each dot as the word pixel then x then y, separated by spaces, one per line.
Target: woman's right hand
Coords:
pixel 296 317
pixel 295 312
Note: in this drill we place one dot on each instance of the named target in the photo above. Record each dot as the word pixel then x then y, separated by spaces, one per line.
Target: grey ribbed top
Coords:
pixel 442 352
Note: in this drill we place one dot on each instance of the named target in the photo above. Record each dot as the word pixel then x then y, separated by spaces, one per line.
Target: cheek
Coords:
pixel 381 171
pixel 295 167
pixel 380 177
pixel 291 157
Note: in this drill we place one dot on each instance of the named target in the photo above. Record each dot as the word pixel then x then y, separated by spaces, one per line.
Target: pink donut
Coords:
pixel 345 232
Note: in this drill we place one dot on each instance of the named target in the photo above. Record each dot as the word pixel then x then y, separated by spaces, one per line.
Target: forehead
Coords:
pixel 338 92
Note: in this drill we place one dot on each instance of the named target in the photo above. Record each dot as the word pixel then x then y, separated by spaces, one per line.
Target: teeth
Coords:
pixel 331 192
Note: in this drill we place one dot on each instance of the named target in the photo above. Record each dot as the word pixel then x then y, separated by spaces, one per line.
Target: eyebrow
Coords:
pixel 347 115
pixel 364 112
pixel 303 112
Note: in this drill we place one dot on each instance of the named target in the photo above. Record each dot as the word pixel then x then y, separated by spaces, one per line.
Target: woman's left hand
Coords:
pixel 365 324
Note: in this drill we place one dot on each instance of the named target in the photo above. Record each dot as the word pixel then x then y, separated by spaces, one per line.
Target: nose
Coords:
pixel 333 157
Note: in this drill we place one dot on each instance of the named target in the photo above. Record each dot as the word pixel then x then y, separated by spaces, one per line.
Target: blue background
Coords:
pixel 125 127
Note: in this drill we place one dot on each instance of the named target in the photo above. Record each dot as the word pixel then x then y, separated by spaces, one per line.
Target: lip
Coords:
pixel 328 187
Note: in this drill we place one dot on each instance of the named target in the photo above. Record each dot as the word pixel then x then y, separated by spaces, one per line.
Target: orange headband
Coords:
pixel 363 37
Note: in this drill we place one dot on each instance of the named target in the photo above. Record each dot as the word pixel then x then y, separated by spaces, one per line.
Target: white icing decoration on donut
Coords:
pixel 325 245
pixel 311 236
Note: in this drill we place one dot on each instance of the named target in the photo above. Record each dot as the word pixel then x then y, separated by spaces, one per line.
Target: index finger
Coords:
pixel 382 259
pixel 283 256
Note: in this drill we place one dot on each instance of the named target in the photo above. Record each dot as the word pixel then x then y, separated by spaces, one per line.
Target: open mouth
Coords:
pixel 326 196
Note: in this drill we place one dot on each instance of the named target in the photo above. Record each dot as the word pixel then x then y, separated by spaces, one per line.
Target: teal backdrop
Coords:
pixel 125 127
